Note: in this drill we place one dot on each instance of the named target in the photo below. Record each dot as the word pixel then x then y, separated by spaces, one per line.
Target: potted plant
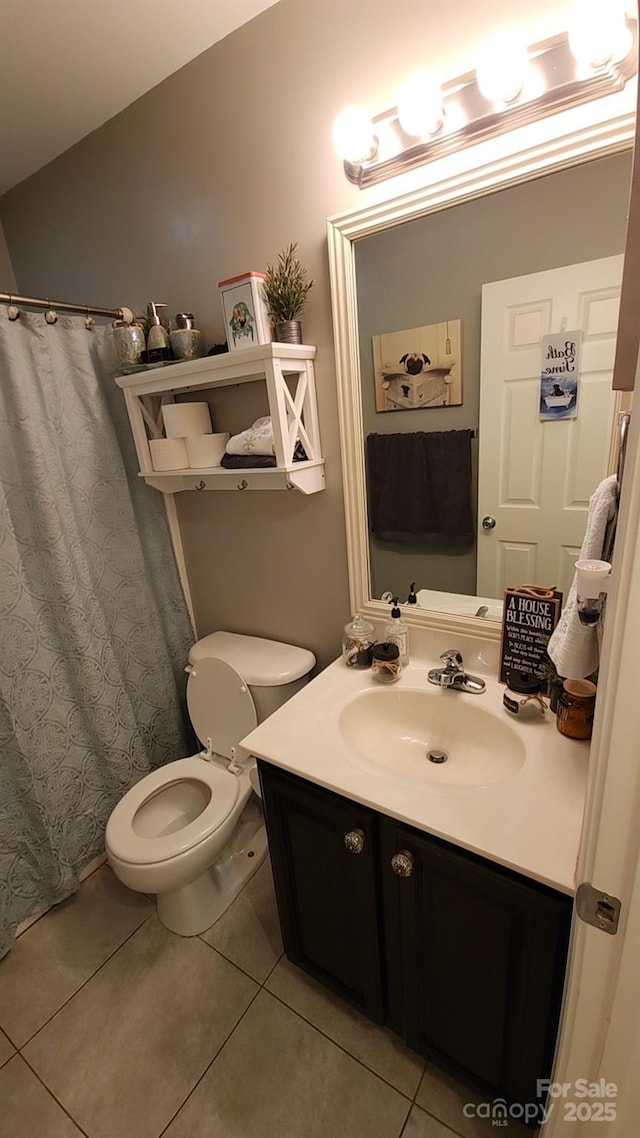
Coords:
pixel 286 287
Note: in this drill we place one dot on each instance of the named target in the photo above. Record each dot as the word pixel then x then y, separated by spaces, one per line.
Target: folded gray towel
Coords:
pixel 420 487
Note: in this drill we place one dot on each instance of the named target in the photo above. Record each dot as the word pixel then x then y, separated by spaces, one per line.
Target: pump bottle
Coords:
pixel 396 632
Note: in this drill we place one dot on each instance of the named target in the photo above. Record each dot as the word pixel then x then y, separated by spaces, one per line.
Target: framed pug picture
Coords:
pixel 419 367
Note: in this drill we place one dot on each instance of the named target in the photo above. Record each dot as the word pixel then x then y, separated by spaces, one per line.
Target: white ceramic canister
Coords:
pixel 206 450
pixel 168 454
pixel 183 419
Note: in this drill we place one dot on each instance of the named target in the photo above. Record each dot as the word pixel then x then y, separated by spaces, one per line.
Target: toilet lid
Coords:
pixel 124 842
pixel 220 705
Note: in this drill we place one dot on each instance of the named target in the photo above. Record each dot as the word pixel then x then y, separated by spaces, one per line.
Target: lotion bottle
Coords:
pixel 396 632
pixel 158 336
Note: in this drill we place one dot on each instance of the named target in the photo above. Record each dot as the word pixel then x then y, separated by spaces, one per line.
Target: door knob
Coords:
pixel 488 522
pixel 354 841
pixel 402 863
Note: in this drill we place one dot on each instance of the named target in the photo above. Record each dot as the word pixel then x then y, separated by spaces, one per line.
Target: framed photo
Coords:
pixel 419 367
pixel 246 321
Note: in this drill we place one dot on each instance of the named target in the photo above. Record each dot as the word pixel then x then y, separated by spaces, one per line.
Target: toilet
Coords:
pixel 192 832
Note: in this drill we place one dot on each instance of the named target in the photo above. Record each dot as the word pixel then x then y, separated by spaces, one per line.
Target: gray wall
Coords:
pixel 211 174
pixel 7 278
pixel 433 269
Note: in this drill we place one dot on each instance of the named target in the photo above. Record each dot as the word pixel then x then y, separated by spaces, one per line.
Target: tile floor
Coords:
pixel 113 1027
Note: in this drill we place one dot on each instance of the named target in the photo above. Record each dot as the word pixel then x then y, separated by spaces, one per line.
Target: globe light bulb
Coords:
pixel 420 110
pixel 353 135
pixel 598 33
pixel 502 68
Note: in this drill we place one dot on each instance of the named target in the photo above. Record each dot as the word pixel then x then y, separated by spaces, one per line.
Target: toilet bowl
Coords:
pixel 192 832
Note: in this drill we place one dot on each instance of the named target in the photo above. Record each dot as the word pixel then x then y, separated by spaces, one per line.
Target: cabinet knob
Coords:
pixel 354 841
pixel 402 863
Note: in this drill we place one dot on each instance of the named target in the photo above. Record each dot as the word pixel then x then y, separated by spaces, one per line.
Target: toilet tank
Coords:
pixel 272 671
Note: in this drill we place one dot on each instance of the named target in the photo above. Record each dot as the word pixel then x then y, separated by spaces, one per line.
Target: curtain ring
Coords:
pixel 88 320
pixel 50 316
pixel 12 312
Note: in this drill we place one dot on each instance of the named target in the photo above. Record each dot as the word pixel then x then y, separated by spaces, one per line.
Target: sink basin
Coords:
pixel 391 732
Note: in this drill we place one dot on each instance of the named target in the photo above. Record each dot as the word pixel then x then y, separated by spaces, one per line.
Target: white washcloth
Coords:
pixel 257 439
pixel 574 647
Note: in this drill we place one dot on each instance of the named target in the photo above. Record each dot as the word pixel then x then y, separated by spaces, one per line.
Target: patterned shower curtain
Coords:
pixel 94 630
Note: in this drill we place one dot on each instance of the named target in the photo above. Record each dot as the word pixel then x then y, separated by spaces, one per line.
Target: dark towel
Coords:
pixel 258 461
pixel 247 461
pixel 420 487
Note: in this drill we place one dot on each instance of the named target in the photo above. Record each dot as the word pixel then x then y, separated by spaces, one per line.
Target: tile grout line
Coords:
pixel 212 1061
pixel 79 989
pixel 340 1047
pixel 50 1092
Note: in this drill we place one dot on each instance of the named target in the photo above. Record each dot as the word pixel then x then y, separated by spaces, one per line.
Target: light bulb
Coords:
pixel 599 33
pixel 353 135
pixel 502 68
pixel 420 109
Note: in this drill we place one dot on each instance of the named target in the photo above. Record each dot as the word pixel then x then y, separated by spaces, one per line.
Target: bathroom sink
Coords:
pixel 423 738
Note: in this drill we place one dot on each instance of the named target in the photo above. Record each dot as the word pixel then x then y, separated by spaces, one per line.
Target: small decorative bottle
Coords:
pixel 186 340
pixel 358 641
pixel 396 632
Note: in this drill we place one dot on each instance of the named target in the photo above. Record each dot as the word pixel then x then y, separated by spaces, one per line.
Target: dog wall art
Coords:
pixel 419 367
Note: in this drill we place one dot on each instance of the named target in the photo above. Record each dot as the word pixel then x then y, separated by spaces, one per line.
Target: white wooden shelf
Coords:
pixel 293 414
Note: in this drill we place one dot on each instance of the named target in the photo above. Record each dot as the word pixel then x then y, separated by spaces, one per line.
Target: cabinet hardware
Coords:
pixel 597 908
pixel 201 484
pixel 354 841
pixel 402 863
pixel 243 485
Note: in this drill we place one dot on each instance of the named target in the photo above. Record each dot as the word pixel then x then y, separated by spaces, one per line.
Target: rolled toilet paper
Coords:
pixel 206 450
pixel 183 419
pixel 168 454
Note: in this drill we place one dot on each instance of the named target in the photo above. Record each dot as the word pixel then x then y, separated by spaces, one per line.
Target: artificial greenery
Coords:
pixel 286 286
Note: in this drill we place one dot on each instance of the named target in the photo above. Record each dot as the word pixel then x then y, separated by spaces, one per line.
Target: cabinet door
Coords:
pixel 327 896
pixel 482 955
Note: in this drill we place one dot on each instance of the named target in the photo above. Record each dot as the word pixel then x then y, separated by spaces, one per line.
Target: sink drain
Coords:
pixel 437 756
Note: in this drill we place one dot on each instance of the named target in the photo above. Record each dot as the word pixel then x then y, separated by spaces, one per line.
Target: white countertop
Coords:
pixel 530 822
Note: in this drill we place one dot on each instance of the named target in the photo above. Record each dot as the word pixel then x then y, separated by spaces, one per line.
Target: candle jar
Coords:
pixel 575 709
pixel 386 667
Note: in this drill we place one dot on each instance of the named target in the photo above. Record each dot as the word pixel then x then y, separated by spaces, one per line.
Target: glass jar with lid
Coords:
pixel 358 641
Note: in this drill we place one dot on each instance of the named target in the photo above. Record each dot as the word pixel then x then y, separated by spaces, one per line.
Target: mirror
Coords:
pixel 419 262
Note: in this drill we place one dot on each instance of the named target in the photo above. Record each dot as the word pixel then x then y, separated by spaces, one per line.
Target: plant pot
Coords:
pixel 289 332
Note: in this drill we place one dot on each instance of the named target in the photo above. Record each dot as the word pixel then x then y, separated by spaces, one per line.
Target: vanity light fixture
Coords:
pixel 512 86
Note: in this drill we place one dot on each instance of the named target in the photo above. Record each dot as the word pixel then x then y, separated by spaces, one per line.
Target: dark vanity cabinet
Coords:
pixel 463 958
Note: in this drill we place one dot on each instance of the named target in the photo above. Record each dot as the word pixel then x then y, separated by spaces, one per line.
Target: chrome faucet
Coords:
pixel 453 674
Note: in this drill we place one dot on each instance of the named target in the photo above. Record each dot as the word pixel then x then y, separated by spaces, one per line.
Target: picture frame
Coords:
pixel 418 367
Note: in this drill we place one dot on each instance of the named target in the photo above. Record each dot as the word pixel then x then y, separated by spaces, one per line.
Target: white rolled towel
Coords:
pixel 257 439
pixel 574 647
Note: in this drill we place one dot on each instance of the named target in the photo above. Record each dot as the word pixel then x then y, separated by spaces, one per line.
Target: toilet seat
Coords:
pixel 123 841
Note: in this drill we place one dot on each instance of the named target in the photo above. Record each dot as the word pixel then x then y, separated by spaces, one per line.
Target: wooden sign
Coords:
pixel 529 617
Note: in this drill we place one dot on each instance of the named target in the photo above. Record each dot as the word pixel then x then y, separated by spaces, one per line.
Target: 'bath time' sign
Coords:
pixel 529 616
pixel 559 373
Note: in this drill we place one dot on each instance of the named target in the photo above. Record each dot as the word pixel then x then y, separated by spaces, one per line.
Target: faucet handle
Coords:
pixel 452 658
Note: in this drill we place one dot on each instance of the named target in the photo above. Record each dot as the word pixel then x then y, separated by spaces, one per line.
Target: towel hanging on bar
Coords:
pixel 420 487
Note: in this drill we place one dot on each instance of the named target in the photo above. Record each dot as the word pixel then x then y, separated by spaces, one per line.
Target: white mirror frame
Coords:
pixel 565 146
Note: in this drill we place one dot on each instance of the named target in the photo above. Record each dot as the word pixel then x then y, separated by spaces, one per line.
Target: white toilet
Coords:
pixel 192 831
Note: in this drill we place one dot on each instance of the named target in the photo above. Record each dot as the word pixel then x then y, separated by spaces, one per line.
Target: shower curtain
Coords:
pixel 94 630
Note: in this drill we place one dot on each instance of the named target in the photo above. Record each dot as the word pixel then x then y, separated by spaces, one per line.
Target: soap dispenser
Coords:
pixel 412 598
pixel 158 346
pixel 396 632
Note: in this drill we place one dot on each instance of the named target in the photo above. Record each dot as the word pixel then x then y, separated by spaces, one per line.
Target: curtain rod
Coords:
pixel 61 305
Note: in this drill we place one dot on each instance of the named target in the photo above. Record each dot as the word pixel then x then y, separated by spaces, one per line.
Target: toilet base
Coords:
pixel 198 905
